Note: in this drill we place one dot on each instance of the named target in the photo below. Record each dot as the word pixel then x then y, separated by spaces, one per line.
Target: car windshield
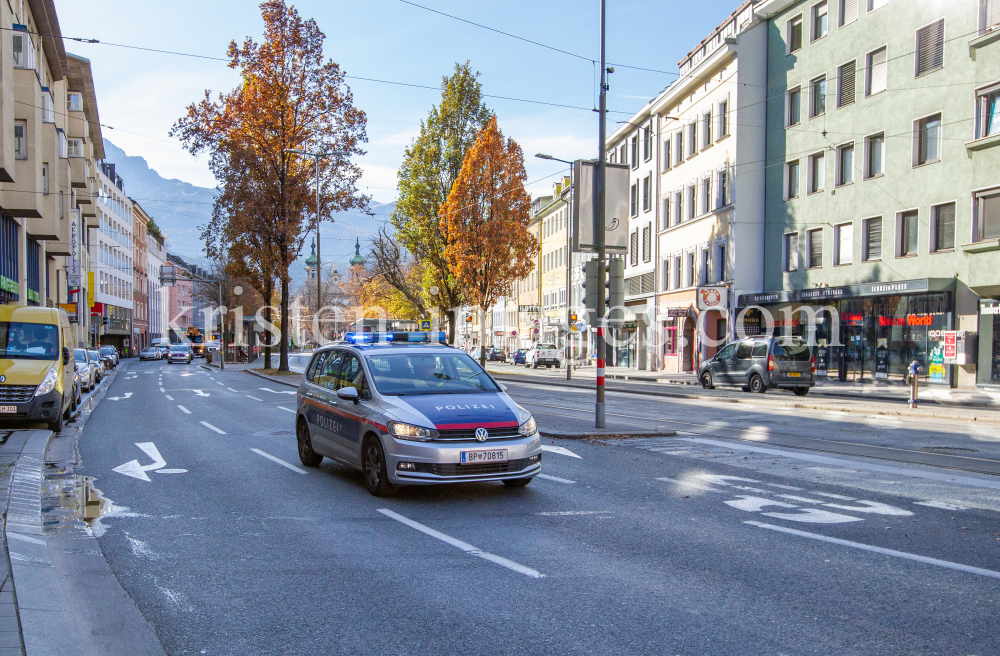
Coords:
pixel 545 346
pixel 105 350
pixel 94 355
pixel 79 355
pixel 406 374
pixel 28 341
pixel 178 348
pixel 792 350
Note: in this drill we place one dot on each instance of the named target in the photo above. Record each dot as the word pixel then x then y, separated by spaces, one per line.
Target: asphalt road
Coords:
pixel 694 544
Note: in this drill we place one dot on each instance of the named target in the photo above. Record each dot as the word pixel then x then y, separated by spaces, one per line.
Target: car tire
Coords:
pixel 57 425
pixel 535 364
pixel 517 482
pixel 757 385
pixel 706 380
pixel 307 456
pixel 375 469
pixel 800 391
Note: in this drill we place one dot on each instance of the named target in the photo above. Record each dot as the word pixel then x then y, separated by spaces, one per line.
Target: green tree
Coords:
pixel 429 170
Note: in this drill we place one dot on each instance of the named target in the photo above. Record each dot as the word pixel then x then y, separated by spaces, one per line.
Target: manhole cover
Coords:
pixel 948 450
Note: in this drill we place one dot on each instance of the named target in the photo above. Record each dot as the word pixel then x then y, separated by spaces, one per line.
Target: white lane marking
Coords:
pixel 814 516
pixel 219 383
pixel 833 496
pixel 279 461
pixel 211 427
pixel 792 497
pixel 286 409
pixel 187 374
pixel 755 504
pixel 162 390
pixel 556 479
pixel 689 484
pixel 850 465
pixel 252 397
pixel 133 469
pixel 560 450
pixel 872 507
pixel 719 479
pixel 170 398
pixel 940 504
pixel 785 487
pixel 171 471
pixel 464 546
pixel 232 390
pixel 184 410
pixel 888 552
pixel 268 389
pixel 571 513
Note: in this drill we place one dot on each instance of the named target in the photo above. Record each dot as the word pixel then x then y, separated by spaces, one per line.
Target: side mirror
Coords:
pixel 348 394
pixel 66 355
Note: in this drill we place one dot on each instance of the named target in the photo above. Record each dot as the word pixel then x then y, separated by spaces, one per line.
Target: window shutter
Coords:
pixel 646 242
pixel 634 247
pixel 845 91
pixel 848 11
pixel 877 71
pixel 930 48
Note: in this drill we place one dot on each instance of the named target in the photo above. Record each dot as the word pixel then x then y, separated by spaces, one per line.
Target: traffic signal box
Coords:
pixel 614 296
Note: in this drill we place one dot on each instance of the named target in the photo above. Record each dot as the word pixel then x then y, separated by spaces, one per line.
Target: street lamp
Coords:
pixel 319 269
pixel 569 263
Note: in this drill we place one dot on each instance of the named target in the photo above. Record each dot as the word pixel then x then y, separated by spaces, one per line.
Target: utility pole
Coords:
pixel 599 236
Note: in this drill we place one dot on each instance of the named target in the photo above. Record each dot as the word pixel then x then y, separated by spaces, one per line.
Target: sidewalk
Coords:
pixel 868 391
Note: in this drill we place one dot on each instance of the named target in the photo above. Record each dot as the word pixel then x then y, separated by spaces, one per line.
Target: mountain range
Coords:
pixel 181 210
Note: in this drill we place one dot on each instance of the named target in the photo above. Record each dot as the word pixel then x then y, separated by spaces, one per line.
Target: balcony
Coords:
pixel 79 172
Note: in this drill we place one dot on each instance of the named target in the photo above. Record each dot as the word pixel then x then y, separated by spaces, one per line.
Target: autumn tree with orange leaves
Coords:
pixel 485 219
pixel 289 97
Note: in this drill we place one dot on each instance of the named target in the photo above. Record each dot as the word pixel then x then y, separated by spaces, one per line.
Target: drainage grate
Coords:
pixel 948 450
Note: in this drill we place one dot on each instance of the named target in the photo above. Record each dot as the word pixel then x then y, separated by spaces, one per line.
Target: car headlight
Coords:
pixel 411 432
pixel 528 428
pixel 48 384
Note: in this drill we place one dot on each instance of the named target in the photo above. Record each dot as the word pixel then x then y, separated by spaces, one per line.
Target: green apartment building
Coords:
pixel 883 185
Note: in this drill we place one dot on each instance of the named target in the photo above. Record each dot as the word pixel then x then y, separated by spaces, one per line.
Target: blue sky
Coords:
pixel 141 94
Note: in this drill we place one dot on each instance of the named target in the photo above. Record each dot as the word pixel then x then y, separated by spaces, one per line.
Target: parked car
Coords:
pixel 87 369
pixel 760 364
pixel 102 362
pixel 149 353
pixel 543 354
pixel 111 353
pixel 180 353
pixel 163 349
pixel 496 355
pixel 519 356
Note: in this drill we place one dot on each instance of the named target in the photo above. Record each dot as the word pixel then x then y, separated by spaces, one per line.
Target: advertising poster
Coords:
pixel 936 371
pixel 882 358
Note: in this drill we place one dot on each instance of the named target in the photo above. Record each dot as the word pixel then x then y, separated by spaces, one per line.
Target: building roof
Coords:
pixel 311 260
pixel 357 258
pixel 81 79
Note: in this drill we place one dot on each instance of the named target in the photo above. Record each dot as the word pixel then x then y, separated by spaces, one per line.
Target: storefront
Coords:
pixel 677 329
pixel 989 343
pixel 117 327
pixel 865 331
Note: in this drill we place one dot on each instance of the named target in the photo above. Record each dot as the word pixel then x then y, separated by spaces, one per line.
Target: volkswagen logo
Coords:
pixel 481 434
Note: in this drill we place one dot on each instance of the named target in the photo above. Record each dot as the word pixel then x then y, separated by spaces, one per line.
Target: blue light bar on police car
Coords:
pixel 396 337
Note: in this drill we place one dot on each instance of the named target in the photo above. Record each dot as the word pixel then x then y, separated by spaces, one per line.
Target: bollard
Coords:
pixel 914 371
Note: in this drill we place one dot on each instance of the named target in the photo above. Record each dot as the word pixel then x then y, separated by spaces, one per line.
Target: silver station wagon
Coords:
pixel 408 410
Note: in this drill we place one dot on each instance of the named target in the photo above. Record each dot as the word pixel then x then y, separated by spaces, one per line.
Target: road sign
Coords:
pixel 425 324
pixel 535 321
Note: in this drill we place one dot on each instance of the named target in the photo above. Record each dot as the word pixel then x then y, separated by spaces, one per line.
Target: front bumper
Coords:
pixel 45 408
pixel 438 462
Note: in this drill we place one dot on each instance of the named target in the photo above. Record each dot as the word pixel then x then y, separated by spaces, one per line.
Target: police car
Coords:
pixel 407 409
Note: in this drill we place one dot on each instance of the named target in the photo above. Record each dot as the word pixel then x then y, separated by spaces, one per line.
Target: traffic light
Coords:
pixel 573 318
pixel 614 300
pixel 590 288
pixel 468 318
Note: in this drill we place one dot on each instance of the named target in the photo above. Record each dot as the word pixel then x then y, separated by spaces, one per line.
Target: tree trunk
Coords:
pixel 267 333
pixel 283 349
pixel 482 337
pixel 451 326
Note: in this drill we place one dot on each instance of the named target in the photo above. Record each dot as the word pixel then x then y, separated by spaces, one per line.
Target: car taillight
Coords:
pixel 770 363
pixel 812 364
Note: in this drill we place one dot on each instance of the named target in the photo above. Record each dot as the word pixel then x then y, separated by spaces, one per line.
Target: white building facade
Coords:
pixel 156 257
pixel 111 259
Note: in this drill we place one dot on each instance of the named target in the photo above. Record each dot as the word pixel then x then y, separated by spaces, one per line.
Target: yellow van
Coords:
pixel 36 366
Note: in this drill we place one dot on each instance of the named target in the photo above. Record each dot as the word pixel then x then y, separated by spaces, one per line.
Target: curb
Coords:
pixel 612 434
pixel 273 380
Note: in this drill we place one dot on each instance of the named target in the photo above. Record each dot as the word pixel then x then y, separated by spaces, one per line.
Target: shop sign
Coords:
pixel 529 308
pixel 850 291
pixel 713 298
pixel 8 285
pixel 908 320
pixel 676 312
pixel 991 308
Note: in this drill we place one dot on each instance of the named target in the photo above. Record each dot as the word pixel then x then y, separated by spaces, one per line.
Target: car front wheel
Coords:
pixel 376 471
pixel 706 380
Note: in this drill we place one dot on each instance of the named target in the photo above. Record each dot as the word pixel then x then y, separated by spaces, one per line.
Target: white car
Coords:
pixel 543 354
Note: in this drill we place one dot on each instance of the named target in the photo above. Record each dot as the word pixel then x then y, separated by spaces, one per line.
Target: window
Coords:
pixel 875 4
pixel 633 247
pixel 706 195
pixel 929 53
pixel 943 227
pixel 647 243
pixel 634 203
pixel 24 49
pixel 793 36
pixel 677 271
pixel 74 147
pixel 21 139
pixel 988 109
pixel 63 146
pixel 792 252
pixel 927 140
pixel 666 154
pixel 817 172
pixel 635 151
pixel 986 215
pixel 74 102
pixel 874 155
pixel 623 156
pixel 692 202
pixel 817 97
pixel 792 180
pixel 48 108
pixel 843 236
pixel 723 187
pixel 819 21
pixel 875 72
pixel 45 178
pixel 665 268
pixel 647 200
pixel 814 238
pixel 647 143
pixel 692 138
pixel 691 265
pixel 720 262
pixel 704 265
pixel 706 129
pixel 679 207
pixel 845 164
pixel 908 229
pixel 794 107
pixel 845 84
pixel 723 118
pixel 665 217
pixel 848 11
pixel 989 15
pixel 679 147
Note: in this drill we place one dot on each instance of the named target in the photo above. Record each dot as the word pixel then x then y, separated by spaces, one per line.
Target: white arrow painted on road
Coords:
pixel 813 516
pixel 118 398
pixel 200 393
pixel 561 450
pixel 135 470
pixel 268 389
pixel 187 374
